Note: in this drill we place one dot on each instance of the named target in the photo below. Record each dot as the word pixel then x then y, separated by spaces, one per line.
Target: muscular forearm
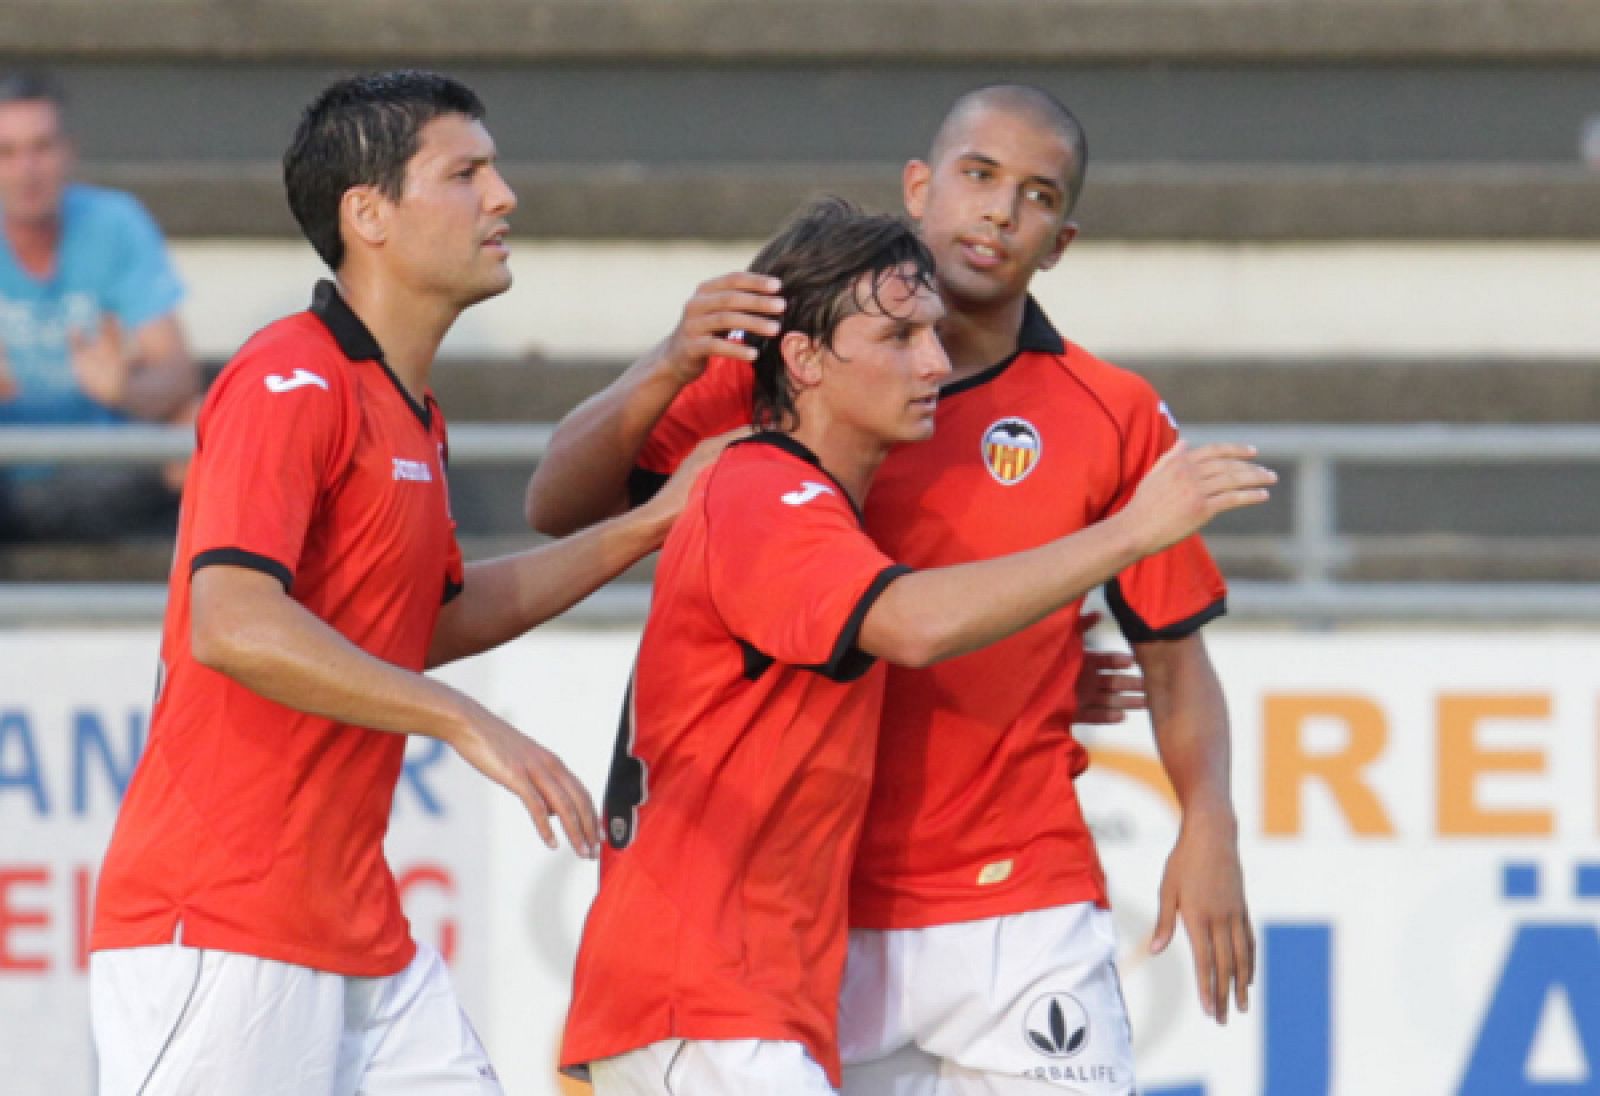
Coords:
pixel 929 616
pixel 503 598
pixel 246 627
pixel 1190 717
pixel 583 477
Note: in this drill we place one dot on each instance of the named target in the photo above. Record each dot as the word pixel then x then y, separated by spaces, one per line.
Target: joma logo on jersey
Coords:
pixel 1011 449
pixel 1057 1026
pixel 416 471
pixel 278 384
pixel 807 491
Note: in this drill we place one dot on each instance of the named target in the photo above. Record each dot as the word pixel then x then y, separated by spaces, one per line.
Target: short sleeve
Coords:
pixel 790 570
pixel 144 284
pixel 721 399
pixel 1173 593
pixel 273 435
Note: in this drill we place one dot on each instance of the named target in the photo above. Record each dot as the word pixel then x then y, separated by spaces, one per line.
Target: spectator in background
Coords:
pixel 89 331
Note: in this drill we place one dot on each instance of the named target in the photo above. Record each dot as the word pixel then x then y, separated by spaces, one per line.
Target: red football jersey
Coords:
pixel 257 827
pixel 973 812
pixel 742 771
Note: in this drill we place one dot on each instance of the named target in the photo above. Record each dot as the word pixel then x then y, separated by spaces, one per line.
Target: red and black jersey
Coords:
pixel 742 771
pixel 973 812
pixel 258 827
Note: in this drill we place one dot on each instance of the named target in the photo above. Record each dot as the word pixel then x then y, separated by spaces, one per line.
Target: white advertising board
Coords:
pixel 1417 812
pixel 74 712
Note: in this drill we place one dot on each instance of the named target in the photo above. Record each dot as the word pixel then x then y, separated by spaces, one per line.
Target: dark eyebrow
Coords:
pixel 464 160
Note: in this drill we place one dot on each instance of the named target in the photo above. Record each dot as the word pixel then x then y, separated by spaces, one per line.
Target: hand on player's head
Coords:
pixel 720 308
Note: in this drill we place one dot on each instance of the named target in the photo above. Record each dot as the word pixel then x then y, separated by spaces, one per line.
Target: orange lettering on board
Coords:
pixel 1288 765
pixel 1463 761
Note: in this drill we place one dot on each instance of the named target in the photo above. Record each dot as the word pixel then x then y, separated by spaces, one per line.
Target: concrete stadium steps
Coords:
pixel 1231 202
pixel 732 30
pixel 1306 302
pixel 1313 211
pixel 1256 120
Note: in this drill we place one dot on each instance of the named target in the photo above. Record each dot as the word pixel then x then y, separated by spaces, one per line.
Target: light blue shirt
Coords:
pixel 112 259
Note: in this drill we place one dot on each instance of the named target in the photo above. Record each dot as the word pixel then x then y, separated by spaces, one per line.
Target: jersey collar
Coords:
pixel 1036 336
pixel 357 343
pixel 796 448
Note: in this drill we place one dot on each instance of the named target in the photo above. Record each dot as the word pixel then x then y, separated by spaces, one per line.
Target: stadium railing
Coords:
pixel 1311 551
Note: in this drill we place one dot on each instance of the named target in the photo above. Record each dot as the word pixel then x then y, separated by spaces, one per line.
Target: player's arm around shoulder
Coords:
pixel 503 598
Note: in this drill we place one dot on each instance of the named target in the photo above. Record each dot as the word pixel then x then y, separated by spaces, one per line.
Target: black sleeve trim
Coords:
pixel 1136 630
pixel 452 590
pixel 238 557
pixel 643 485
pixel 756 662
pixel 848 662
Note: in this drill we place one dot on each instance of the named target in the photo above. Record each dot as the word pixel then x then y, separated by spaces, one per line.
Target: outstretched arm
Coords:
pixel 1204 879
pixel 583 477
pixel 927 616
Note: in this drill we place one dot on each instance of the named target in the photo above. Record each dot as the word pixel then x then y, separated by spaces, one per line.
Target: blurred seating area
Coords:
pixel 1222 133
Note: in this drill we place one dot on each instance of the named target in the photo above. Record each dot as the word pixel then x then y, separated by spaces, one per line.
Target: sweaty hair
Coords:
pixel 362 131
pixel 32 87
pixel 1031 103
pixel 833 260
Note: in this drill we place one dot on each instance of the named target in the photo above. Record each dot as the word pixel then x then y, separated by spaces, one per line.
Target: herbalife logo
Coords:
pixel 1056 1025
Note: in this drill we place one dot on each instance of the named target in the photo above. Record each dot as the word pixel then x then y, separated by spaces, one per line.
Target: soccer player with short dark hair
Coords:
pixel 979 908
pixel 712 957
pixel 248 937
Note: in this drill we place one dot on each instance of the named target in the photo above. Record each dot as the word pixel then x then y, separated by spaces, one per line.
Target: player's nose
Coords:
pixel 501 199
pixel 935 362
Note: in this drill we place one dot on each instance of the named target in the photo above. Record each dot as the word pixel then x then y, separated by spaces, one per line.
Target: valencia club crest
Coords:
pixel 1011 449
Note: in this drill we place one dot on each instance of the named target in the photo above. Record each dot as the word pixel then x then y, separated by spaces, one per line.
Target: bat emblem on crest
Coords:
pixel 1011 449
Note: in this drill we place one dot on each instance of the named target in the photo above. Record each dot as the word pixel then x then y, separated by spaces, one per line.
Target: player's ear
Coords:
pixel 914 187
pixel 801 360
pixel 364 214
pixel 1064 237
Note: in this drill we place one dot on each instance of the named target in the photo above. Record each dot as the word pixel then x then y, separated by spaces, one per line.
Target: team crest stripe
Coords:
pixel 1011 449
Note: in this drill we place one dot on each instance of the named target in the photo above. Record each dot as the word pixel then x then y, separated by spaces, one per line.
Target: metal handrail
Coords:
pixel 492 443
pixel 1313 546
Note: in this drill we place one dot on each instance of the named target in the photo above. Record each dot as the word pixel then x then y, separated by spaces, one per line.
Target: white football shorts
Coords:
pixel 712 1067
pixel 1028 1003
pixel 178 1021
